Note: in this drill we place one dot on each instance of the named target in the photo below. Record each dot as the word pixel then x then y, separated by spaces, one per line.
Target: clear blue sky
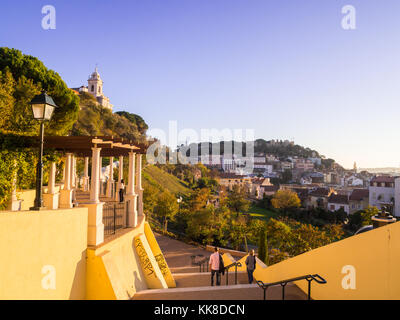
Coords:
pixel 284 68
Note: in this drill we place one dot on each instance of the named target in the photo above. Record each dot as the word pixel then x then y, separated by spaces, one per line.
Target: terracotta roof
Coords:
pixel 227 175
pixel 339 199
pixel 270 188
pixel 383 179
pixel 320 192
pixel 359 194
pixel 302 193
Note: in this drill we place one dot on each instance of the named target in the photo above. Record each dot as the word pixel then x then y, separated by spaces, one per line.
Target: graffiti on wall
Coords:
pixel 144 258
pixel 162 264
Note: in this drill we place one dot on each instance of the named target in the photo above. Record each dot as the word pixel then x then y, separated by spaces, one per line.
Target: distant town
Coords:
pixel 328 187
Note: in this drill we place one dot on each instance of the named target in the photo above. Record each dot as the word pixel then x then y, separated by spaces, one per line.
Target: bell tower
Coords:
pixel 95 84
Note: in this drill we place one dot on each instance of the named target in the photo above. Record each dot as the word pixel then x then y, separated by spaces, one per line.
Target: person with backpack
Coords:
pixel 251 265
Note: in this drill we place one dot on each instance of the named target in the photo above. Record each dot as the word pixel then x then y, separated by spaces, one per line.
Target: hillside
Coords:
pixel 94 120
pixel 280 149
pixel 162 180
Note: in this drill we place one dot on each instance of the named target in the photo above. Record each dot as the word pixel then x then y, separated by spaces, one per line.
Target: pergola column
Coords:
pixel 110 179
pixel 86 175
pixel 95 207
pixel 139 189
pixel 120 177
pixel 51 197
pixel 95 178
pixel 101 187
pixel 73 172
pixel 131 196
pixel 66 192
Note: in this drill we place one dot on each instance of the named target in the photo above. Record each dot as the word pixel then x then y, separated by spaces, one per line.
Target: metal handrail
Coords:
pixel 315 277
pixel 201 263
pixel 236 264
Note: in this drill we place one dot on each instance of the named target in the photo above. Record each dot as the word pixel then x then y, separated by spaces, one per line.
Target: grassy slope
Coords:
pixel 163 180
pixel 260 213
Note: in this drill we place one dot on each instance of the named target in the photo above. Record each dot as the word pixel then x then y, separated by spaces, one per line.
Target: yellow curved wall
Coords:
pixel 375 256
pixel 162 264
pixel 115 270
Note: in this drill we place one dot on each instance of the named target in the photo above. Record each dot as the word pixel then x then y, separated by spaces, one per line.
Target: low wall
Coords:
pixel 27 197
pixel 43 254
pixel 362 267
pixel 234 253
pixel 116 271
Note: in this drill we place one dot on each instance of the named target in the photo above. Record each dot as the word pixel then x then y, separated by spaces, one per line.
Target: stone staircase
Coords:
pixel 195 285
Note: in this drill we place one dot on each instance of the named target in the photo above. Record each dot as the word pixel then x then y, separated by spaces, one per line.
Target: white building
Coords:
pixel 382 191
pixel 95 88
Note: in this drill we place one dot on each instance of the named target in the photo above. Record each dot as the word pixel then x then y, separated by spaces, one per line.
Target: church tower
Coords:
pixel 355 167
pixel 95 84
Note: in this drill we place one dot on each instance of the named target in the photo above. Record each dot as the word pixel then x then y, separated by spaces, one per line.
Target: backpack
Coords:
pixel 221 265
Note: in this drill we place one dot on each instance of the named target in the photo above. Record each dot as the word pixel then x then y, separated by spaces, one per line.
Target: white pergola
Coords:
pixel 95 148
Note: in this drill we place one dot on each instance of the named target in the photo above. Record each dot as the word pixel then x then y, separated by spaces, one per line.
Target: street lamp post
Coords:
pixel 42 108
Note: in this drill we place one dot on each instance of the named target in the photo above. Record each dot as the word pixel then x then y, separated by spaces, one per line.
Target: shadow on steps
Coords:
pixel 231 292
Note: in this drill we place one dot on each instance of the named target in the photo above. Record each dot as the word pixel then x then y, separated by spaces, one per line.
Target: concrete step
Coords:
pixel 232 292
pixel 203 279
pixel 185 269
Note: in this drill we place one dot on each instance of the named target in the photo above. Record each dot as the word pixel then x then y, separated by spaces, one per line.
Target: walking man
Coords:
pixel 215 267
pixel 251 265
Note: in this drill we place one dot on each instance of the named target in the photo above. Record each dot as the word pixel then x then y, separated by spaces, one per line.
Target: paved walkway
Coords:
pixel 177 253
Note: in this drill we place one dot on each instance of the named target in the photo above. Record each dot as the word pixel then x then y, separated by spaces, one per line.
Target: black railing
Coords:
pixel 203 263
pixel 113 215
pixel 310 278
pixel 236 265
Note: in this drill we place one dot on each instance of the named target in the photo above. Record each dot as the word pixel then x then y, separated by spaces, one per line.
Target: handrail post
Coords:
pixel 227 272
pixel 235 273
pixel 115 214
pixel 265 292
pixel 283 290
pixel 309 289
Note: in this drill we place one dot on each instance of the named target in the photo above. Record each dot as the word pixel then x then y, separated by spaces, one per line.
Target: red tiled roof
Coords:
pixel 230 176
pixel 339 199
pixel 359 194
pixel 383 179
pixel 270 188
pixel 320 192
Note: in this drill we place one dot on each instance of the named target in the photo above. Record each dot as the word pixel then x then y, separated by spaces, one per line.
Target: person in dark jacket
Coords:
pixel 251 265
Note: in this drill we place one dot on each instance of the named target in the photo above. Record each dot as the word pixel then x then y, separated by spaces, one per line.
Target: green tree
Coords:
pixel 263 247
pixel 21 78
pixel 236 200
pixel 285 199
pixel 31 76
pixel 367 214
pixel 136 120
pixel 166 207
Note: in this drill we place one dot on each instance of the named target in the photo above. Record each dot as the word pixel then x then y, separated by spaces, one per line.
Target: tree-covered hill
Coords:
pixel 94 120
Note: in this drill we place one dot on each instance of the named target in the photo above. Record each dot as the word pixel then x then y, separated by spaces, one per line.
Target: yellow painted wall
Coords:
pixel 375 256
pixel 155 248
pixel 39 247
pixel 114 268
pixel 152 273
pixel 28 199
